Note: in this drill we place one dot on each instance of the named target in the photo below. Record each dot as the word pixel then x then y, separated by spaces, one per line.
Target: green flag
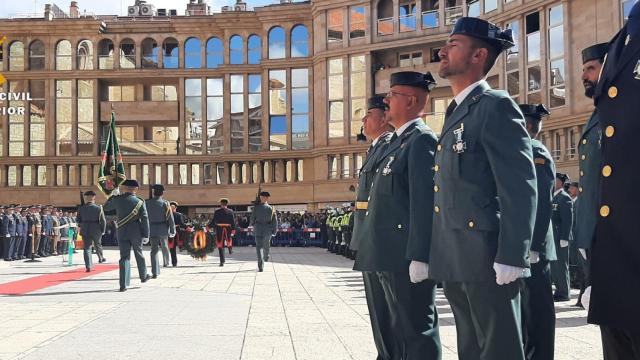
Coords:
pixel 112 168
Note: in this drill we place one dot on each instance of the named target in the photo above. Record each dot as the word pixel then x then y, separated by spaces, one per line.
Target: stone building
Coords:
pixel 214 104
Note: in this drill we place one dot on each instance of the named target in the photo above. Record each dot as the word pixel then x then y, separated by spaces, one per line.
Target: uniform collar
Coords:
pixel 377 140
pixel 404 127
pixel 464 93
pixel 557 192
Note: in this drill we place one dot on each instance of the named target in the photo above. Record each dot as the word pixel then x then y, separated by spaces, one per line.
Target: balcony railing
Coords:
pixel 385 26
pixel 105 62
pixel 407 23
pixel 430 19
pixel 127 61
pixel 452 14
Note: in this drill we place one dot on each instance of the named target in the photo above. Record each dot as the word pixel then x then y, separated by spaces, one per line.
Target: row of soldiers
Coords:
pixel 340 222
pixel 479 207
pixel 35 231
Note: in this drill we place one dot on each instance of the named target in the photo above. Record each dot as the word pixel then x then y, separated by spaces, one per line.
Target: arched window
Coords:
pixel 36 55
pixel 215 53
pixel 192 54
pixel 16 56
pixel 63 55
pixel 127 54
pixel 105 54
pixel 170 53
pixel 299 41
pixel 85 55
pixel 254 49
pixel 276 43
pixel 236 45
pixel 150 53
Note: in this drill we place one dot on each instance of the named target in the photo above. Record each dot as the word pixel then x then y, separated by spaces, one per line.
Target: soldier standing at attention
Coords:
pixel 133 230
pixel 376 127
pixel 590 163
pixel 485 197
pixel 9 231
pixel 538 311
pixel 562 221
pixel 265 225
pixel 397 222
pixel 223 222
pixel 161 227
pixel 92 225
pixel 615 274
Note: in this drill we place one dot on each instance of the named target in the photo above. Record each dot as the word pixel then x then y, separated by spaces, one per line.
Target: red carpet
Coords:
pixel 21 287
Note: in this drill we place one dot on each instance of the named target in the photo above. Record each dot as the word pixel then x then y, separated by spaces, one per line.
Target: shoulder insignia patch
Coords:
pixel 540 161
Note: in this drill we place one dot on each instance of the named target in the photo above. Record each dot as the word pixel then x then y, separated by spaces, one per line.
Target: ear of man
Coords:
pixel 486 51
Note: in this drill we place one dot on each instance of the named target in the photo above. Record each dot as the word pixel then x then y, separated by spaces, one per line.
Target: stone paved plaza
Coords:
pixel 307 304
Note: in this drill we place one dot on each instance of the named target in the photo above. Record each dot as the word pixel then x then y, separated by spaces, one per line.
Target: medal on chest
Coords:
pixel 460 146
pixel 387 169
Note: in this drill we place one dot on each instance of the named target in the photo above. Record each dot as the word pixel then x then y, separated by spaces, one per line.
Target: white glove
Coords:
pixel 172 234
pixel 418 271
pixel 9 235
pixel 583 252
pixel 145 241
pixel 586 298
pixel 115 191
pixel 534 257
pixel 506 274
pixel 564 243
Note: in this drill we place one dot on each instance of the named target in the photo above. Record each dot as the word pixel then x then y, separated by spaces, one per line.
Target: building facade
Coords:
pixel 214 104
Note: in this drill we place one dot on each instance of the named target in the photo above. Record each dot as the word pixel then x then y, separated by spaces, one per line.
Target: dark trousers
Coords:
pixel 538 313
pixel 28 245
pixel 560 272
pixel 172 251
pixel 9 247
pixel 414 318
pixel 487 319
pixel 586 271
pixel 620 344
pixel 126 245
pixel 43 248
pixel 380 317
pixel 20 245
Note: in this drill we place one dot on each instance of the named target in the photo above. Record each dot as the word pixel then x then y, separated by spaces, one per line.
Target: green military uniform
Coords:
pixel 265 226
pixel 401 195
pixel 538 311
pixel 161 228
pixel 133 227
pixel 484 211
pixel 562 220
pixel 92 224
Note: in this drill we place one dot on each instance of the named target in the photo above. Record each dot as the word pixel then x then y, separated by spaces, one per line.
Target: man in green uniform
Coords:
pixel 376 127
pixel 161 227
pixel 485 197
pixel 265 226
pixel 562 221
pixel 538 311
pixel 133 230
pixel 590 162
pixel 92 224
pixel 397 222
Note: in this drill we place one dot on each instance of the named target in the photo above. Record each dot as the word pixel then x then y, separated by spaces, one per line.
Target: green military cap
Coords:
pixel 265 193
pixel 131 183
pixel 593 52
pixel 562 177
pixel 536 111
pixel 173 203
pixel 90 193
pixel 377 102
pixel 481 29
pixel 413 78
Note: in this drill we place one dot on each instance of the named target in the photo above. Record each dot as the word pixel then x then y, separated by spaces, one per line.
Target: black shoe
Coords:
pixel 260 269
pixel 88 270
pixel 578 304
pixel 154 277
pixel 560 298
pixel 266 259
pixel 102 260
pixel 221 264
pixel 166 265
pixel 123 289
pixel 174 265
pixel 145 279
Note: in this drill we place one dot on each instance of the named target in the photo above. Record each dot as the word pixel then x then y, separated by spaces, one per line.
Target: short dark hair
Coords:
pixel 492 53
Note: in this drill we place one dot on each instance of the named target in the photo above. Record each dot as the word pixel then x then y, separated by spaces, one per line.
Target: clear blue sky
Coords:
pixel 111 7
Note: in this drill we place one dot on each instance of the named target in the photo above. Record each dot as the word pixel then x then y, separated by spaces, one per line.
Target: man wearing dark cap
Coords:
pixel 9 231
pixel 19 234
pixel 161 228
pixel 376 127
pixel 615 288
pixel 92 224
pixel 179 221
pixel 133 230
pixel 397 240
pixel 265 226
pixel 562 221
pixel 538 311
pixel 485 198
pixel 223 222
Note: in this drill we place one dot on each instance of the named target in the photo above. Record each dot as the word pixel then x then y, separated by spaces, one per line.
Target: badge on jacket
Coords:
pixel 460 146
pixel 387 169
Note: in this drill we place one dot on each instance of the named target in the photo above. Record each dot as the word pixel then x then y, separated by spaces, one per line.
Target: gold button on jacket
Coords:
pixel 606 171
pixel 609 131
pixel 605 211
pixel 613 92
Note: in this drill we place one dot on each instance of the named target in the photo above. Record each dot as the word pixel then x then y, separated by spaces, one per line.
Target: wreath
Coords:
pixel 200 242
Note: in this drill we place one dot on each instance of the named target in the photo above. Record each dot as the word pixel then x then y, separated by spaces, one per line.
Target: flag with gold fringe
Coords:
pixel 111 173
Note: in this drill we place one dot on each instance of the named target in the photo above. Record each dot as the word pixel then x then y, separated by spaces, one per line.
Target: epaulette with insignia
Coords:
pixel 540 161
